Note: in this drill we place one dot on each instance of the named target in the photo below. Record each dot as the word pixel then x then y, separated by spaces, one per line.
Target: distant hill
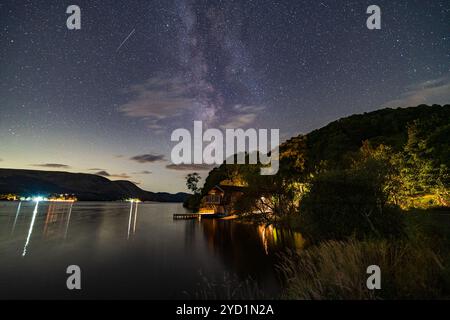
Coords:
pixel 84 186
pixel 335 141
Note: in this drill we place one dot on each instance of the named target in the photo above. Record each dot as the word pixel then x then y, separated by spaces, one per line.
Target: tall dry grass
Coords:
pixel 337 270
pixel 227 287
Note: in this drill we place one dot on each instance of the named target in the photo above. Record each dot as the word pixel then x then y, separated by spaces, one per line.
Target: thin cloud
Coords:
pixel 239 121
pixel 163 99
pixel 159 98
pixel 145 158
pixel 107 174
pixel 189 167
pixel 96 169
pixel 121 176
pixel 243 116
pixel 143 172
pixel 103 173
pixel 51 165
pixel 435 91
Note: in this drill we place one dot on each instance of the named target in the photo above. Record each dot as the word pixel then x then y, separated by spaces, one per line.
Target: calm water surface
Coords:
pixel 126 252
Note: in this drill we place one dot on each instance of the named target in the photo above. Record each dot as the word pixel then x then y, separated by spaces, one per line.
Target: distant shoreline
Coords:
pixel 123 201
pixel 82 186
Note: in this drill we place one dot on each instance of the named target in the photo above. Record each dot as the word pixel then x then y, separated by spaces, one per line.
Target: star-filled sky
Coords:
pixel 105 99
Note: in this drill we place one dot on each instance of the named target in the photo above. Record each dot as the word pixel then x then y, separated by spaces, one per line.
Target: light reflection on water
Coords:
pixel 128 250
pixel 274 238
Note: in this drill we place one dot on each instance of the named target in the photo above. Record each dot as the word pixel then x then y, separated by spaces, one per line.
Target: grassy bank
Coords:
pixel 413 267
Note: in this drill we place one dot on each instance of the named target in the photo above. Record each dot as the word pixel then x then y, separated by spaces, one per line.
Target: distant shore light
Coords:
pixel 37 199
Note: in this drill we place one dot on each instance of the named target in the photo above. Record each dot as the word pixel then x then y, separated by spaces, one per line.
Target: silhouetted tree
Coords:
pixel 192 180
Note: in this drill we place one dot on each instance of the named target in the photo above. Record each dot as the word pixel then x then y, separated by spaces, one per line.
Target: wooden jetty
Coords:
pixel 185 216
pixel 177 216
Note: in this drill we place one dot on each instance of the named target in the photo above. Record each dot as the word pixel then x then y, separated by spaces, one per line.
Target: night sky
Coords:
pixel 105 99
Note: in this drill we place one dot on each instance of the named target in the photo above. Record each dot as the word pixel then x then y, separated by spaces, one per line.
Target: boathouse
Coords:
pixel 221 199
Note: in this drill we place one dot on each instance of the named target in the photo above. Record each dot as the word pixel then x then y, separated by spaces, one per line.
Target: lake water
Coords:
pixel 126 252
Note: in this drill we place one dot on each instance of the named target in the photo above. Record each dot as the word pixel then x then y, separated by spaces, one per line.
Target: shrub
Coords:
pixel 192 202
pixel 348 203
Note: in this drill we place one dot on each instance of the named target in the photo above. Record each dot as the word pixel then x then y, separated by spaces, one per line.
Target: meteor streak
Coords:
pixel 125 40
